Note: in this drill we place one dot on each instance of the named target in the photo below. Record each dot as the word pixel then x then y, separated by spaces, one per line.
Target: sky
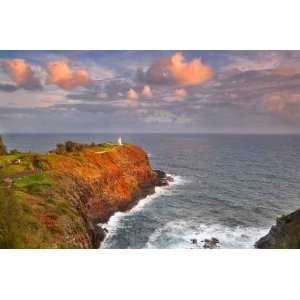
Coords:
pixel 150 91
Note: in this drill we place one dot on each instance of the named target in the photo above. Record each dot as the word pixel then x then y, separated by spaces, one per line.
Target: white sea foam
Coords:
pixel 116 219
pixel 178 234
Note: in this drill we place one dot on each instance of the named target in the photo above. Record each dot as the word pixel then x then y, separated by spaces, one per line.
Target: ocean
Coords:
pixel 231 187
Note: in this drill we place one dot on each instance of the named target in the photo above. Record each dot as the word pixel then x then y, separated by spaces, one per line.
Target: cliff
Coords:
pixel 56 200
pixel 284 235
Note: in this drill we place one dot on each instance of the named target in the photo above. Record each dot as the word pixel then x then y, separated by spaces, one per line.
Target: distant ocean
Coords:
pixel 231 187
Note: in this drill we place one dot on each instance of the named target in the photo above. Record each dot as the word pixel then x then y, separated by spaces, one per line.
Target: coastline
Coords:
pixel 75 199
pixel 112 223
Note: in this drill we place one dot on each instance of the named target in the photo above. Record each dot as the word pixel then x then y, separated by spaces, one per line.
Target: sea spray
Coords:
pixel 116 219
pixel 184 234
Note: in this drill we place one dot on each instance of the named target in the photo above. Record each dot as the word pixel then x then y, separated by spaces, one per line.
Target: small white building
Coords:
pixel 120 141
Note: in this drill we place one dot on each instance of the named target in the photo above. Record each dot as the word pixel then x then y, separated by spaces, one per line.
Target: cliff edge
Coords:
pixel 56 200
pixel 284 235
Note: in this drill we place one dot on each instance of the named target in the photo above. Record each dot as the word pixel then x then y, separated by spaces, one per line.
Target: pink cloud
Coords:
pixel 181 92
pixel 189 73
pixel 132 94
pixel 287 70
pixel 22 74
pixel 62 75
pixel 176 70
pixel 287 104
pixel 147 91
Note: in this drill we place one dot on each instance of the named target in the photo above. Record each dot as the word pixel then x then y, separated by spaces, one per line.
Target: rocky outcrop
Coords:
pixel 162 178
pixel 284 235
pixel 109 182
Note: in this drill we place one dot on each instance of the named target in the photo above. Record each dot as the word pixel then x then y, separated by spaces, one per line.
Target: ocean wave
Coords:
pixel 178 234
pixel 116 219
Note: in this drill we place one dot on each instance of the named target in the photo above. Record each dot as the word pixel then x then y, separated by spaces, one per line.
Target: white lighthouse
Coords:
pixel 120 141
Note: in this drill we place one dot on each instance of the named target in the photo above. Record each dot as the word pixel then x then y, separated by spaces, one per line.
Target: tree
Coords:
pixel 3 149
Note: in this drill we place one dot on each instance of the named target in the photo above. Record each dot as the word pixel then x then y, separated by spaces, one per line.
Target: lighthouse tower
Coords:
pixel 120 141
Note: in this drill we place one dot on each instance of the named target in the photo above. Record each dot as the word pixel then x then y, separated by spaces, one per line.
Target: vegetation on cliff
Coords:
pixel 56 200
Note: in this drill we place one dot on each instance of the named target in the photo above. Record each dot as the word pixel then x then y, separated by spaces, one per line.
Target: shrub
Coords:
pixel 39 163
pixel 60 149
pixel 14 152
pixel 72 146
pixel 284 218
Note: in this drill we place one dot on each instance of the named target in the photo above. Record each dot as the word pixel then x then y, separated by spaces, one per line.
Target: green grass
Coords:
pixel 28 162
pixel 38 178
pixel 38 183
pixel 12 170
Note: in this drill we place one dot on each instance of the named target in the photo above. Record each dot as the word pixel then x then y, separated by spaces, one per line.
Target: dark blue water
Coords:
pixel 231 187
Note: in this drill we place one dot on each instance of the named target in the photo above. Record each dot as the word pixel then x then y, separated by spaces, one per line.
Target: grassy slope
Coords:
pixel 39 202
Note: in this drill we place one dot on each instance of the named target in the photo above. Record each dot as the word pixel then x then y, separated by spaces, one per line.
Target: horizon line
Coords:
pixel 132 132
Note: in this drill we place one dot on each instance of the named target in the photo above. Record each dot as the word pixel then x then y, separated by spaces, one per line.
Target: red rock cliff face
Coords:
pixel 99 184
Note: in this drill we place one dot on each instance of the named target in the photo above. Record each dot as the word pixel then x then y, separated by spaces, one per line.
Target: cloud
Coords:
pixel 181 92
pixel 177 95
pixel 159 116
pixel 61 74
pixel 22 74
pixel 43 98
pixel 6 87
pixel 256 62
pixel 132 94
pixel 147 91
pixel 175 70
pixel 287 104
pixel 164 117
pixel 287 70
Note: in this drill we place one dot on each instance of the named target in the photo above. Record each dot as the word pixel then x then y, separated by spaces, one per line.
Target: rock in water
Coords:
pixel 215 240
pixel 170 179
pixel 194 241
pixel 162 178
pixel 211 243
